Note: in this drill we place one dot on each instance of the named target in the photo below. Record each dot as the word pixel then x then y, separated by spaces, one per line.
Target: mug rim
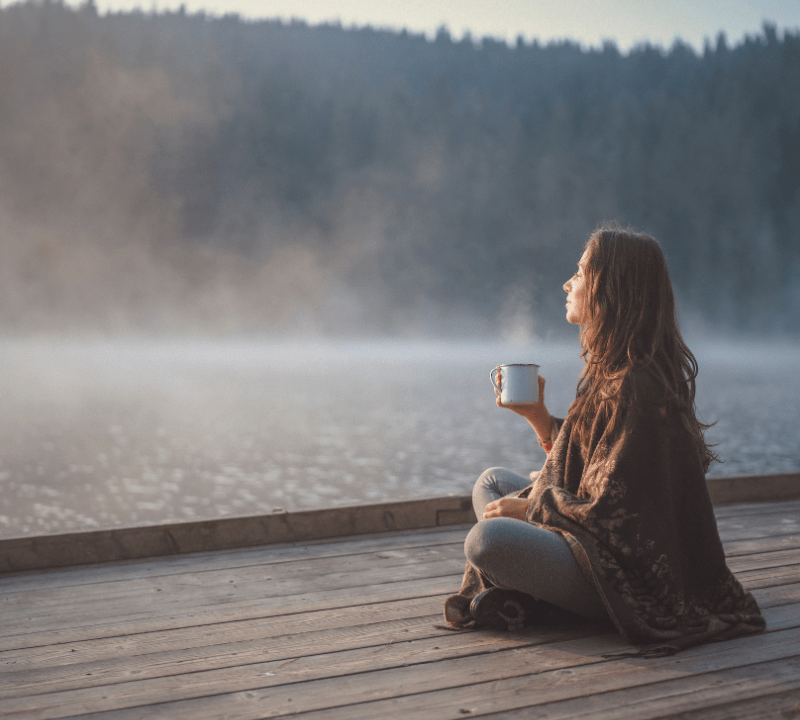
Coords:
pixel 518 365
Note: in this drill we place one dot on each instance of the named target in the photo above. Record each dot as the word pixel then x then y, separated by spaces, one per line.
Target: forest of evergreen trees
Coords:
pixel 176 172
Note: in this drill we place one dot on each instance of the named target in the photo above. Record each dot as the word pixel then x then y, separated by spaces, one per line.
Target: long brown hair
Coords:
pixel 630 322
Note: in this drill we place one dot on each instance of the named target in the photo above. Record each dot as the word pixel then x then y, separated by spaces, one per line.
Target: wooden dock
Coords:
pixel 350 628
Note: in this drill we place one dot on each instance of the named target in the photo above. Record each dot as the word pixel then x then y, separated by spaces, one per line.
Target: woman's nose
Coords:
pixel 568 286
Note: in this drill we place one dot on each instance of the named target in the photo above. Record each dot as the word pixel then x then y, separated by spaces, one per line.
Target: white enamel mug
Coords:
pixel 519 384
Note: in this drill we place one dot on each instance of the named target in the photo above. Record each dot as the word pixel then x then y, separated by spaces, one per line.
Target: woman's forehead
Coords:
pixel 584 258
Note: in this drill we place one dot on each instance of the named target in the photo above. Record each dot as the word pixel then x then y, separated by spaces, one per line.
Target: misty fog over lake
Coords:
pixel 182 194
pixel 104 433
pixel 183 174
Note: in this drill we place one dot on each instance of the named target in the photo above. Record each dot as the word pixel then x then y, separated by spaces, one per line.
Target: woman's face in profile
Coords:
pixel 575 288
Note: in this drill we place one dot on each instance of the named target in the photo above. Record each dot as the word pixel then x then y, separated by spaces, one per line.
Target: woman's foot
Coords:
pixel 511 610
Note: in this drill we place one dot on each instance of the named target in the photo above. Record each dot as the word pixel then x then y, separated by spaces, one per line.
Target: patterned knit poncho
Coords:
pixel 637 515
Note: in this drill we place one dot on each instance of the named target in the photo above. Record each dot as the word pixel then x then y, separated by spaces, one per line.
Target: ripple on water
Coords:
pixel 147 432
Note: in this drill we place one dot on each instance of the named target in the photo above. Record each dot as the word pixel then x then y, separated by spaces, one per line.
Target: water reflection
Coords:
pixel 102 433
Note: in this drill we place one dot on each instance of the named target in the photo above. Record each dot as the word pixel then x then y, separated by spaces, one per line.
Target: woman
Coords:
pixel 618 523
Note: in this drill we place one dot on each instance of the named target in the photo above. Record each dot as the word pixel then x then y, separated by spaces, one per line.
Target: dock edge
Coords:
pixel 39 552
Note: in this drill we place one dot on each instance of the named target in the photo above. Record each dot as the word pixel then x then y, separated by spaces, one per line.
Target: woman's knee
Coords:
pixel 486 542
pixel 485 490
pixel 495 483
pixel 489 479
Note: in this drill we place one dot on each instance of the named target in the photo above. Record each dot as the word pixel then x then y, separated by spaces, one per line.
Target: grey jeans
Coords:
pixel 516 555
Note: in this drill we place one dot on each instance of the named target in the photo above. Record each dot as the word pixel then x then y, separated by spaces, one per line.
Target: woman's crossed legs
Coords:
pixel 516 555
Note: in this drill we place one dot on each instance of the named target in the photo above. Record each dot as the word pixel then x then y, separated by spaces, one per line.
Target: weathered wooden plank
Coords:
pixel 294 672
pixel 776 595
pixel 735 548
pixel 270 555
pixel 775 524
pixel 100 621
pixel 769 577
pixel 425 610
pixel 264 555
pixel 763 572
pixel 113 545
pixel 758 508
pixel 253 651
pixel 480 681
pixel 33 604
pixel 343 623
pixel 223 586
pixel 118 607
pixel 750 488
pixel 759 514
pixel 48 551
pixel 104 616
pixel 282 552
pixel 780 706
pixel 764 560
pixel 749 692
pixel 268 646
pixel 186 665
pixel 135 599
pixel 738 529
pixel 310 567
pixel 64 629
pixel 532 682
pixel 224 633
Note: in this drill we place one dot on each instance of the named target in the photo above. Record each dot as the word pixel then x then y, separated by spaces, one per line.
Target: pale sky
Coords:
pixel 625 21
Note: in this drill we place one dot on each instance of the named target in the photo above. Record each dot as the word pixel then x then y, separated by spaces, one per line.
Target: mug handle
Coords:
pixel 492 374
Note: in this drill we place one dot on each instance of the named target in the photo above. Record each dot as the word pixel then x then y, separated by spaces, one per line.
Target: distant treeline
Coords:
pixel 173 171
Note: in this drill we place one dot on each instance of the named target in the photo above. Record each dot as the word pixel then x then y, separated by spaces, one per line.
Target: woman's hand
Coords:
pixel 535 413
pixel 506 507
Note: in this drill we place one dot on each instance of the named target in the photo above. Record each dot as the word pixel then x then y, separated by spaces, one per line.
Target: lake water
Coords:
pixel 104 433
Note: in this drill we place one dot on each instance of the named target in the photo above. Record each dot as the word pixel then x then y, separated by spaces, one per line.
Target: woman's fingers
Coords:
pixel 506 507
